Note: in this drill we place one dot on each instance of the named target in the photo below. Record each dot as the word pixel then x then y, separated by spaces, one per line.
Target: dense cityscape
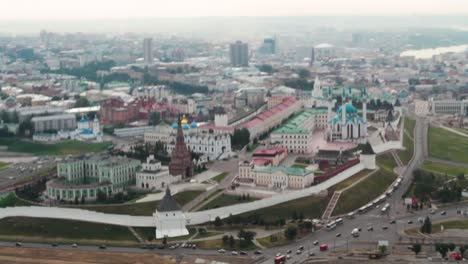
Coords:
pixel 286 142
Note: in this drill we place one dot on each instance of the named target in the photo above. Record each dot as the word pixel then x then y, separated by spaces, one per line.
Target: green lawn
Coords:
pixel 11 200
pixel 218 244
pixel 56 229
pixel 310 207
pixel 148 233
pixel 225 200
pixel 442 169
pixel 220 177
pixel 453 224
pixel 356 177
pixel 274 240
pixel 61 148
pixel 300 165
pixel 368 189
pixel 142 209
pixel 408 143
pixel 446 145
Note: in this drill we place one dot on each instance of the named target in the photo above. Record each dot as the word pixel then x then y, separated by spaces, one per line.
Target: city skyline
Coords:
pixel 90 10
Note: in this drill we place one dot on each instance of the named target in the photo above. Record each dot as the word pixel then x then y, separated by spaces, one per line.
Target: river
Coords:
pixel 428 53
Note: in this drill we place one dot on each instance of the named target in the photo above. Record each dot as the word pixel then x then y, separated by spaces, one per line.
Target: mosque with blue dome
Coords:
pixel 347 124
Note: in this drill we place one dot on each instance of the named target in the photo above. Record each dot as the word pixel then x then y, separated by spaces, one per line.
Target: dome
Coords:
pixel 10 100
pixel 175 125
pixel 185 126
pixel 350 109
pixel 184 120
pixel 194 125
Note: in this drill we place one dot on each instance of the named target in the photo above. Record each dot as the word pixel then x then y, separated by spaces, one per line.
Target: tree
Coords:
pixel 101 196
pixel 442 249
pixel 202 231
pixel 246 236
pixel 164 241
pixel 416 248
pixel 303 73
pixel 154 118
pixel 426 228
pixel 462 249
pixel 451 246
pixel 290 232
pixel 231 241
pixel 225 239
pixel 383 249
pixel 240 138
pixel 218 222
pixel 82 102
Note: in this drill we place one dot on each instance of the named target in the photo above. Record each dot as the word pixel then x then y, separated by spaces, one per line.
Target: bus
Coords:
pixel 385 208
pixel 331 225
pixel 339 221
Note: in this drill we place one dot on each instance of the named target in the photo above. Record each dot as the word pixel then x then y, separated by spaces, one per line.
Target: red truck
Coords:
pixel 323 247
pixel 280 260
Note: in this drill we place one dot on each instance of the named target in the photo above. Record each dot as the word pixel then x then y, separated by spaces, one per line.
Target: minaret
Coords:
pixel 330 116
pixel 343 107
pixel 344 131
pixel 364 105
pixel 316 92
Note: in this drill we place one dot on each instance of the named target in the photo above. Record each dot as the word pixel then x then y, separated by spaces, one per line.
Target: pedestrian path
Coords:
pixel 331 205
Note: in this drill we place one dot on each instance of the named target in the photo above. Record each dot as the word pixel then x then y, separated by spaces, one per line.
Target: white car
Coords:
pixel 316 242
pixel 221 251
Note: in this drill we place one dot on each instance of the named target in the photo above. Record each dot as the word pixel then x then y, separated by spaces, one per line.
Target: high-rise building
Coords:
pixel 148 50
pixel 312 56
pixel 239 54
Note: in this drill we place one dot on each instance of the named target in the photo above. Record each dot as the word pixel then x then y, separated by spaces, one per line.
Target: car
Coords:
pixel 54 245
pixel 102 247
pixel 301 248
pixel 18 244
pixel 278 254
pixel 316 242
pixel 161 247
pixel 243 253
pixel 393 221
pixel 257 252
pixel 443 213
pixel 311 254
pixel 234 253
pixel 410 247
pixel 338 235
pixel 410 222
pixel 74 245
pixel 298 252
pixel 433 211
pixel 289 251
pixel 194 247
pixel 370 228
pixel 384 227
pixel 221 251
pixel 420 220
pixel 288 256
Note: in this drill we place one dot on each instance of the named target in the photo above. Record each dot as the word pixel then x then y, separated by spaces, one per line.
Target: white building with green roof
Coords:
pixel 275 177
pixel 296 133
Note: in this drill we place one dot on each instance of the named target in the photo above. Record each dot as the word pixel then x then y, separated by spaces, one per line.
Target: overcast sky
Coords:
pixel 105 9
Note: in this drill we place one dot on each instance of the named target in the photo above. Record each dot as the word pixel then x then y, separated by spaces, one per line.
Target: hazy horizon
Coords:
pixel 21 10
